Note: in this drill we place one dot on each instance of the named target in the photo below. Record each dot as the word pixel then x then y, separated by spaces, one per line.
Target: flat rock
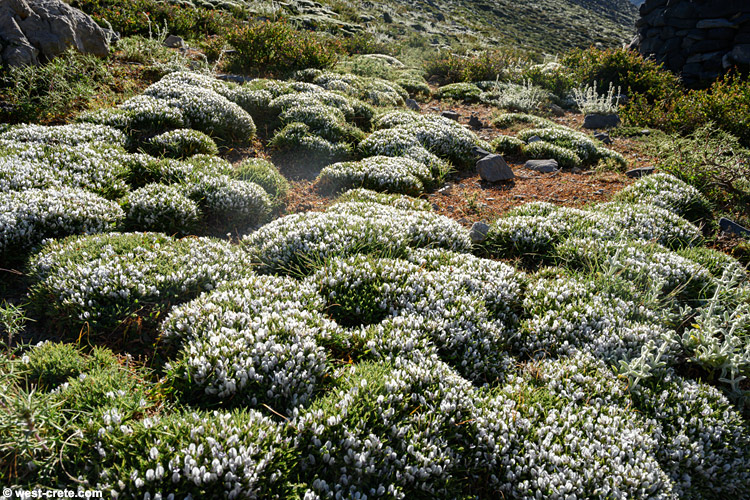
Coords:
pixel 493 168
pixel 475 122
pixel 640 172
pixel 732 227
pixel 479 232
pixel 705 24
pixel 174 42
pixel 604 137
pixel 479 152
pixel 413 105
pixel 597 121
pixel 533 138
pixel 543 166
pixel 450 115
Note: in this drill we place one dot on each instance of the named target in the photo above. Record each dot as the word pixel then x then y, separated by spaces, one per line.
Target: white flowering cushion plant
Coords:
pixel 126 281
pixel 182 143
pixel 667 191
pixel 378 173
pixel 70 135
pixel 30 216
pixel 395 200
pixel 161 208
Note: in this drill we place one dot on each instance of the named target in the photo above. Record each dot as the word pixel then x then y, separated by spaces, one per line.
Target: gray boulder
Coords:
pixel 479 232
pixel 543 166
pixel 174 42
pixel 493 168
pixel 452 115
pixel 412 104
pixel 729 226
pixel 640 172
pixel 597 121
pixel 37 30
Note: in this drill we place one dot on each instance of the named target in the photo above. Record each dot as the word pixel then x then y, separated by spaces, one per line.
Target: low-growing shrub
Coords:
pixel 230 204
pixel 125 282
pixel 32 215
pixel 565 157
pixel 487 65
pixel 666 191
pixel 266 175
pixel 298 140
pixel 161 208
pixel 379 173
pixel 467 92
pixel 525 98
pixel 507 145
pixel 402 202
pixel 182 143
pixel 507 120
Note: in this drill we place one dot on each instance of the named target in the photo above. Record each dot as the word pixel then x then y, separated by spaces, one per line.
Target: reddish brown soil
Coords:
pixel 464 196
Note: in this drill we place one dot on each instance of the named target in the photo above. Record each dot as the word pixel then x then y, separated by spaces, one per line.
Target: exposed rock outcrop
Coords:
pixel 699 39
pixel 33 31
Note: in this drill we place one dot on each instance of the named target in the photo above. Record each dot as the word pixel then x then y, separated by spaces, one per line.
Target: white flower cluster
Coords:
pixel 193 455
pixel 161 208
pixel 302 241
pixel 325 121
pixel 406 430
pixel 104 279
pixel 28 217
pixel 97 168
pixel 544 150
pixel 567 315
pixel 182 143
pixel 231 204
pixel 399 142
pixel 376 91
pixel 583 442
pixel 461 91
pixel 667 191
pixel 507 120
pixel 378 173
pixel 507 145
pixel 324 97
pixel 533 230
pixel 564 137
pixel 439 135
pixel 399 201
pixel 70 135
pixel 703 441
pixel 298 138
pixel 191 100
pixel 255 341
pixel 111 117
pixel 646 265
pixel 469 331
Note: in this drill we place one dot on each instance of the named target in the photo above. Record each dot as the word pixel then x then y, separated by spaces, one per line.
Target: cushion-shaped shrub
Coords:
pixel 111 117
pixel 390 418
pixel 97 168
pixel 149 113
pixel 514 97
pixel 467 92
pixel 399 142
pixel 507 145
pixel 70 135
pixel 379 173
pixel 299 140
pixel 394 200
pixel 667 191
pixel 30 216
pixel 266 175
pixel 565 157
pixel 579 143
pixel 325 121
pixel 703 440
pixel 182 143
pixel 716 262
pixel 507 120
pixel 119 282
pixel 161 208
pixel 255 341
pixel 299 243
pixel 230 204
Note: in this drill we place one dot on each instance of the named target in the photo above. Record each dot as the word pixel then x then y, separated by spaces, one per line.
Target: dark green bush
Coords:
pixel 625 69
pixel 451 68
pixel 277 48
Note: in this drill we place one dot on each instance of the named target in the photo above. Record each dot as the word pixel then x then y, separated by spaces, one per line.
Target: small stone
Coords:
pixel 174 42
pixel 732 227
pixel 479 232
pixel 533 138
pixel 640 172
pixel 387 18
pixel 475 122
pixel 452 115
pixel 493 168
pixel 543 166
pixel 604 137
pixel 556 110
pixel 597 121
pixel 519 197
pixel 479 152
pixel 413 105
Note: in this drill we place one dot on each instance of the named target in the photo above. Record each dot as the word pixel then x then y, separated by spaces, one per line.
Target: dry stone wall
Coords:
pixel 699 39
